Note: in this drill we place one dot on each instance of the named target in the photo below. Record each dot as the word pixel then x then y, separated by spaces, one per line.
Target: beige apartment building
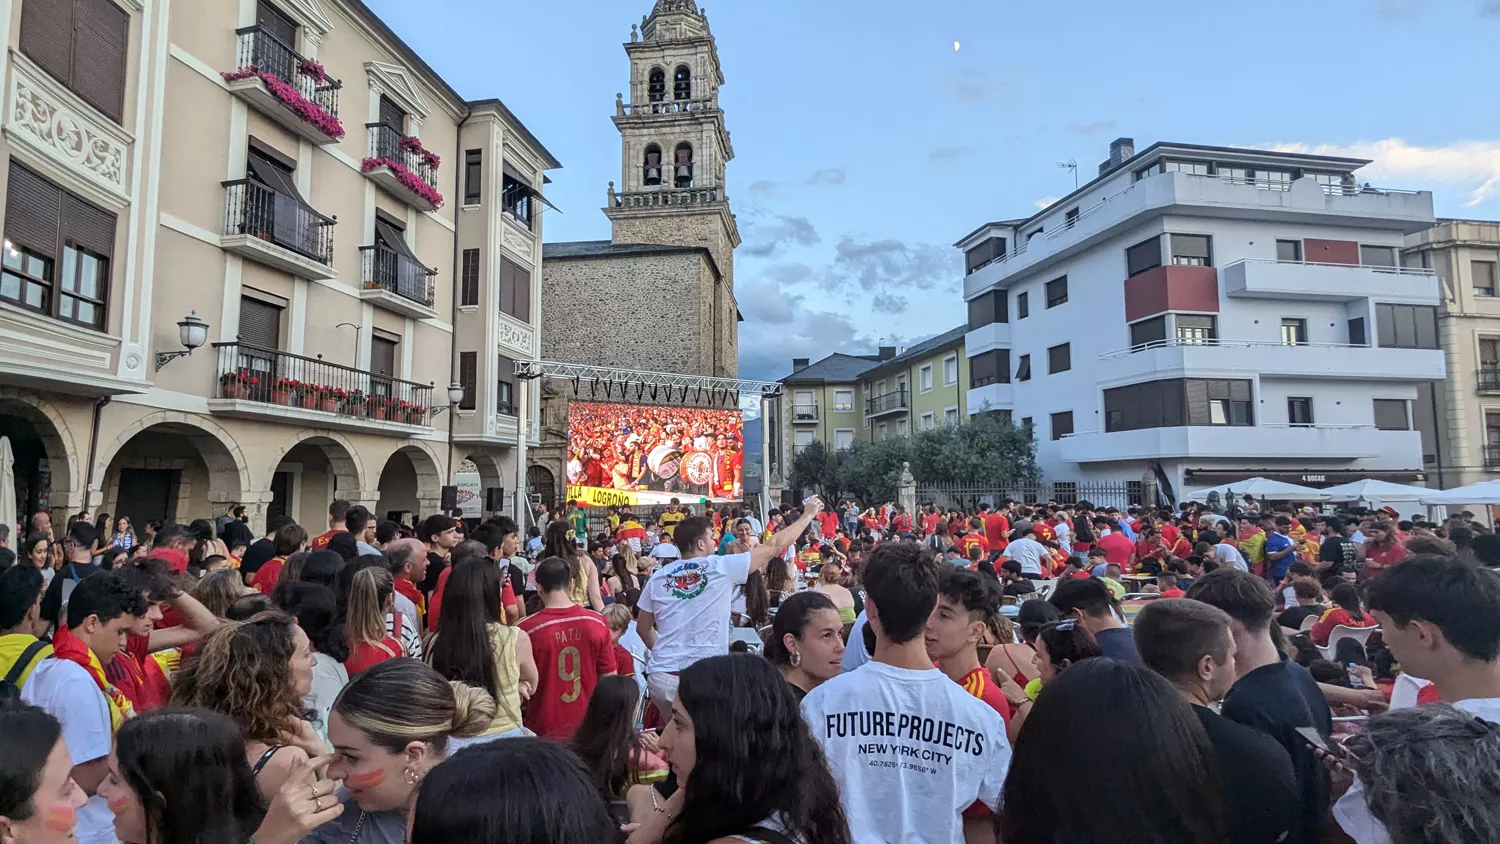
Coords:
pixel 248 247
pixel 1459 417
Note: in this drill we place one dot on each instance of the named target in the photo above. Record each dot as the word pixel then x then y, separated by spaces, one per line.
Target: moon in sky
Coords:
pixel 955 46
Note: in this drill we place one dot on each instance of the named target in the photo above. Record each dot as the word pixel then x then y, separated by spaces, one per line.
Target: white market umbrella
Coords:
pixel 1485 492
pixel 1263 488
pixel 7 485
pixel 1377 493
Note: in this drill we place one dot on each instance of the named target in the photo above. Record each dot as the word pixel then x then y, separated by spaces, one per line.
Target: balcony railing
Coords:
pixel 250 373
pixel 805 412
pixel 1488 378
pixel 885 403
pixel 667 196
pixel 389 270
pixel 388 144
pixel 253 209
pixel 1492 455
pixel 625 109
pixel 260 52
pixel 1174 342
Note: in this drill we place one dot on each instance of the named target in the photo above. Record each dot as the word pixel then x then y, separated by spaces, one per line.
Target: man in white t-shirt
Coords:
pixel 1028 552
pixel 101 610
pixel 1228 555
pixel 684 607
pixel 910 748
pixel 1441 619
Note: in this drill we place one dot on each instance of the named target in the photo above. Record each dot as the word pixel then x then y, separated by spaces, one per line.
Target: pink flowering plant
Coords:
pixel 314 70
pixel 414 146
pixel 306 110
pixel 411 181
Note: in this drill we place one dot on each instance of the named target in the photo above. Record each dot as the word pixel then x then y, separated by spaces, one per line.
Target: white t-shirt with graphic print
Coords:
pixel 690 600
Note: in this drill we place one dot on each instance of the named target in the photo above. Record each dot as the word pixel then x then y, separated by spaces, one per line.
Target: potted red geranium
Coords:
pixel 284 389
pixel 331 398
pixel 378 406
pixel 308 396
pixel 237 384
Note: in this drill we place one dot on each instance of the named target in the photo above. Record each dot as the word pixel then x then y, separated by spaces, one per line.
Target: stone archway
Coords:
pixel 410 481
pixel 310 471
pixel 47 461
pixel 172 466
pixel 542 483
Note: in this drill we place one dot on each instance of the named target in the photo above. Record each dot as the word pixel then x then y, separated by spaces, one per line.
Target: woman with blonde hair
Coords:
pixel 256 672
pixel 831 583
pixel 217 591
pixel 372 595
pixel 391 725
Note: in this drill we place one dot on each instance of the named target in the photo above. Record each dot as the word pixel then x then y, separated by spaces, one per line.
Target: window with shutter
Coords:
pixel 1062 424
pixel 1391 415
pixel 101 36
pixel 392 115
pixel 515 290
pixel 468 376
pixel 505 386
pixel 383 357
pixel 1059 359
pixel 32 212
pixel 57 256
pixel 277 23
pixel 470 278
pixel 473 176
pixel 47 36
pixel 260 324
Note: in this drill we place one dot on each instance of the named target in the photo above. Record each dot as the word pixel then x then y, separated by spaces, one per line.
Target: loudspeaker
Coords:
pixel 450 498
pixel 494 499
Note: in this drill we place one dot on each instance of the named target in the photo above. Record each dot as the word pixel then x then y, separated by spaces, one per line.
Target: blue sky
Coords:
pixel 866 145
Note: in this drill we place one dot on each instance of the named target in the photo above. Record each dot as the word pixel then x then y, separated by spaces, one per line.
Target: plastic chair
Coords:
pixel 748 636
pixel 1340 633
pixel 1308 624
pixel 1045 588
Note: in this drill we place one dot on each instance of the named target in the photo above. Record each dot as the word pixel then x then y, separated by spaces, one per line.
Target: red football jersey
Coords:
pixel 572 649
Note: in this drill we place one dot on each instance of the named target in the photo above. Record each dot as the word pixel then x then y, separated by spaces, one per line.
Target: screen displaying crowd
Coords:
pixel 694 451
pixel 1011 674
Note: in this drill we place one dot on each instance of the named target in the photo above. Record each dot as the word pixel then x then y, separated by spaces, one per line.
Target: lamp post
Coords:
pixel 193 332
pixel 455 395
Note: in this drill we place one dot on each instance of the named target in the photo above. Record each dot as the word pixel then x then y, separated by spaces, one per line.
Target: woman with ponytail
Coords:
pixel 372 595
pixel 389 727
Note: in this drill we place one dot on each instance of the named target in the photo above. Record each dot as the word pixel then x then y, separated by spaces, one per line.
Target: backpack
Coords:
pixel 10 687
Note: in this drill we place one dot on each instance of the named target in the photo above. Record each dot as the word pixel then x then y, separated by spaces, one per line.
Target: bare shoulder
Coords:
pixel 278 768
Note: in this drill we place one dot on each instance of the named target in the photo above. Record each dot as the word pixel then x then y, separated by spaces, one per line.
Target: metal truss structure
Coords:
pixel 642 386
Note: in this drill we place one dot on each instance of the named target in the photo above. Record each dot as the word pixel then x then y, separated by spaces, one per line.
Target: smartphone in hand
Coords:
pixel 1315 738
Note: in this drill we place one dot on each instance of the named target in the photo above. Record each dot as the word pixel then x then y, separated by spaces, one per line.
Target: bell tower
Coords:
pixel 674 145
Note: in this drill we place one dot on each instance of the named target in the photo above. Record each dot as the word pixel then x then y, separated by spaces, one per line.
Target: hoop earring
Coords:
pixel 795 659
pixel 410 776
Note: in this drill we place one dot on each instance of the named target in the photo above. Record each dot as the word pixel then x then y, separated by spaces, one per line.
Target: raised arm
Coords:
pixel 762 555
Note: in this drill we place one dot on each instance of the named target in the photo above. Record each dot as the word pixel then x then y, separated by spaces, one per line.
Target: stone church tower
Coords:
pixel 668 267
pixel 659 294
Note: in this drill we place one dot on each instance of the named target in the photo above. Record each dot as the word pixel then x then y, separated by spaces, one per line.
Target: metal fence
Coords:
pixel 1119 494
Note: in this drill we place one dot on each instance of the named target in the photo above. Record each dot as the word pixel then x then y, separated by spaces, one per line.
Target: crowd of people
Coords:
pixel 1016 673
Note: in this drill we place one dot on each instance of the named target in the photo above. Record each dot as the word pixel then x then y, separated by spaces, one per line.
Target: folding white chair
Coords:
pixel 748 636
pixel 1340 633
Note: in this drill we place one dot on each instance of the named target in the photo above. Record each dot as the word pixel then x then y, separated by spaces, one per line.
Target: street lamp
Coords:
pixel 193 332
pixel 455 395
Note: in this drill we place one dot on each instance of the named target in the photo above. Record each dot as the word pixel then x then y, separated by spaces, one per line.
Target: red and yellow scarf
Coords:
pixel 410 591
pixel 69 647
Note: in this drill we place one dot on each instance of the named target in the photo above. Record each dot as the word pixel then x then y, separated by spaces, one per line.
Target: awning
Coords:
pixel 1324 478
pixel 535 194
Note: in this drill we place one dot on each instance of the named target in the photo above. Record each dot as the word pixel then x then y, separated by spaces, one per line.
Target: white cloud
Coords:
pixel 1469 166
pixel 1045 201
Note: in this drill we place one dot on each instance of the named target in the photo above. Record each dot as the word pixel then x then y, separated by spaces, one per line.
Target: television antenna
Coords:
pixel 1071 164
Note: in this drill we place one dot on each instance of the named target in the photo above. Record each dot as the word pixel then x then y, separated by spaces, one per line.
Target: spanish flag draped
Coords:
pixel 67 646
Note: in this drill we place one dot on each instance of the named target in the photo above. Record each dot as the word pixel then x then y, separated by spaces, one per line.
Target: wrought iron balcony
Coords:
pixel 396 281
pixel 886 403
pixel 1492 455
pixel 805 412
pixel 266 383
pixel 402 166
pixel 1487 378
pixel 292 90
pixel 277 229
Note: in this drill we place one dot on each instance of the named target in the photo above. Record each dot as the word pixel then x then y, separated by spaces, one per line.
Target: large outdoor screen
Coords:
pixel 646 454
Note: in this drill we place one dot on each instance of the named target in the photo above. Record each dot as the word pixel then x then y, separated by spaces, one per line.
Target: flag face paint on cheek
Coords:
pixel 366 780
pixel 119 804
pixel 60 818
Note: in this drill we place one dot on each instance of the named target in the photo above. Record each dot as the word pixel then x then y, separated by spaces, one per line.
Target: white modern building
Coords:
pixel 1200 315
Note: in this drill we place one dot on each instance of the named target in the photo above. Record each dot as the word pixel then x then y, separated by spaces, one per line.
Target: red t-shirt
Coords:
pixel 901 523
pixel 1169 533
pixel 829 524
pixel 1377 560
pixel 572 649
pixel 435 606
pixel 321 541
pixel 979 684
pixel 624 662
pixel 970 540
pixel 996 531
pixel 138 675
pixel 1080 575
pixel 1117 548
pixel 1174 592
pixel 1043 531
pixel 363 656
pixel 267 576
pixel 930 523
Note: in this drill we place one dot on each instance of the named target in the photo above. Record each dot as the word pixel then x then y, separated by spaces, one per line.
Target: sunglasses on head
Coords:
pixel 1067 625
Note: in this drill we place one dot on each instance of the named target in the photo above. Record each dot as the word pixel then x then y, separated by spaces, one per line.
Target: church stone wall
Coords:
pixel 629 311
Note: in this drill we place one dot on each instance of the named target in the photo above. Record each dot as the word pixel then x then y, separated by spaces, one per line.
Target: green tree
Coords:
pixel 816 468
pixel 871 471
pixel 986 451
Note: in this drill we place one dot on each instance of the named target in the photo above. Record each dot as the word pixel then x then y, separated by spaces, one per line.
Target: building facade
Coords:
pixel 1460 416
pixel 286 191
pixel 659 294
pixel 1197 315
pixel 843 399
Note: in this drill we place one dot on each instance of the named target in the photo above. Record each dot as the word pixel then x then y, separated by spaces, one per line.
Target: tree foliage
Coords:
pixel 816 468
pixel 985 451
